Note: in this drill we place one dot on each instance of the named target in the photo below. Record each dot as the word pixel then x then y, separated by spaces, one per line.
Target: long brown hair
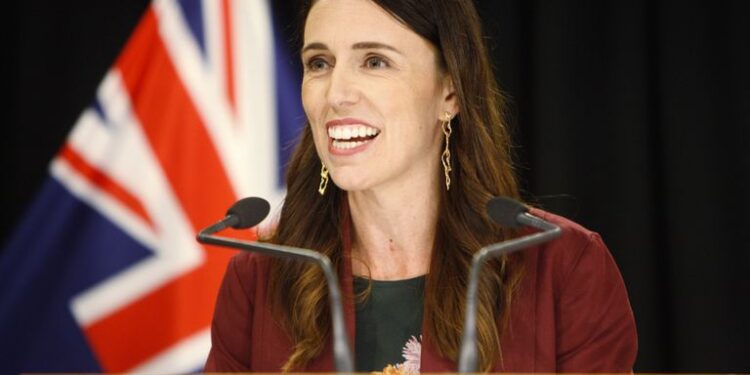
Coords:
pixel 482 169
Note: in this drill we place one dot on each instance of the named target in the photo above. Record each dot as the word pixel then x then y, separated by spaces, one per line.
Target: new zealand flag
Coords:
pixel 104 273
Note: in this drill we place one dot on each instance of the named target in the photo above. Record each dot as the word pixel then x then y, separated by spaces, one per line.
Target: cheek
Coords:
pixel 319 138
pixel 308 102
pixel 311 103
pixel 312 92
pixel 312 112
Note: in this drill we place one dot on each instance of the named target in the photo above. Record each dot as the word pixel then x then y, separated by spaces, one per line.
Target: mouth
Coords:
pixel 344 137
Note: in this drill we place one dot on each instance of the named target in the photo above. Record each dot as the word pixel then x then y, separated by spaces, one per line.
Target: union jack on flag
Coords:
pixel 103 273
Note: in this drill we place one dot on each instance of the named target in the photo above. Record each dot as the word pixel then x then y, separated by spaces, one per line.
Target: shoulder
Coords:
pixel 572 232
pixel 576 247
pixel 245 279
pixel 579 302
pixel 245 261
pixel 248 269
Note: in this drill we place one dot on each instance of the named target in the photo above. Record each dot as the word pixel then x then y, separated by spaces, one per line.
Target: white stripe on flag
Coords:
pixel 255 75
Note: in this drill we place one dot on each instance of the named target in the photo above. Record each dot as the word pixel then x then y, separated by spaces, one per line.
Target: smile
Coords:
pixel 347 137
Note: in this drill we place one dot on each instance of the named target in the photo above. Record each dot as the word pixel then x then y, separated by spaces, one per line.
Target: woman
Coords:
pixel 404 146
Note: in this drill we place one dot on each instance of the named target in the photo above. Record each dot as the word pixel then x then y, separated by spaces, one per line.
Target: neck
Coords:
pixel 393 231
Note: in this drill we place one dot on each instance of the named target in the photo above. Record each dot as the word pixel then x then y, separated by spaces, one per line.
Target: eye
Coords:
pixel 376 62
pixel 317 64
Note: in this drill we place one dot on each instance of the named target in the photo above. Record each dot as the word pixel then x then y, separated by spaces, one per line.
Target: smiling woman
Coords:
pixel 386 81
pixel 404 146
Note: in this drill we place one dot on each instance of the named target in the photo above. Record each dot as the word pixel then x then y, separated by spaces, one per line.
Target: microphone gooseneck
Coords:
pixel 508 213
pixel 249 212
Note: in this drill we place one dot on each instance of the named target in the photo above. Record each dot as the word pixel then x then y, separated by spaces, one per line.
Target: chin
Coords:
pixel 351 184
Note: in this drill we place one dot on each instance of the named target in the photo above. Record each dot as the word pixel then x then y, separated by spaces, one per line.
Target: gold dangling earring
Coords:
pixel 323 179
pixel 446 156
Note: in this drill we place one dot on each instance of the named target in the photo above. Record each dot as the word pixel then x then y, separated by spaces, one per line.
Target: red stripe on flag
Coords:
pixel 99 179
pixel 171 123
pixel 228 51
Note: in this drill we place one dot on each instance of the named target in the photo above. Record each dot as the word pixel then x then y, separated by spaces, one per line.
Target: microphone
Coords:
pixel 249 212
pixel 512 214
pixel 245 213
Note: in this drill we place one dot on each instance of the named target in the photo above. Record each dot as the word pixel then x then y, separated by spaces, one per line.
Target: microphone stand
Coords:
pixel 342 353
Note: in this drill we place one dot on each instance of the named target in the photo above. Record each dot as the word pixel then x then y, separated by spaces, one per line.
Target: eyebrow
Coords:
pixel 360 45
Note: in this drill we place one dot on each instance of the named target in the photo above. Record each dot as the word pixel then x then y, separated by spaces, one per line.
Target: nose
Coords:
pixel 343 89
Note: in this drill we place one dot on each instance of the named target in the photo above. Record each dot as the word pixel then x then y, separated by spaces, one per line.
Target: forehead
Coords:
pixel 352 21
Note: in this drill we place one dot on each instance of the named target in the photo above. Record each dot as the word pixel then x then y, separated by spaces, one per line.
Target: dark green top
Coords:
pixel 390 317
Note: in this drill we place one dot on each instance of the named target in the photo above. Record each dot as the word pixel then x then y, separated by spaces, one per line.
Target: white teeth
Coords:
pixel 349 132
pixel 347 145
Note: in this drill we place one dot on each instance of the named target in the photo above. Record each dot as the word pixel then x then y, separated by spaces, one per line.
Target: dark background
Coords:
pixel 630 117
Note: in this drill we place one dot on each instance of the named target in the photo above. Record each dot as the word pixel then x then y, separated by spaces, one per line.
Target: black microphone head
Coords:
pixel 504 211
pixel 250 212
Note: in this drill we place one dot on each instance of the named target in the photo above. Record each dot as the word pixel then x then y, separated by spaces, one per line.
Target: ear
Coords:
pixel 450 100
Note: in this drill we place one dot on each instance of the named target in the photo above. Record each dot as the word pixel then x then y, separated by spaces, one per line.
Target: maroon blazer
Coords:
pixel 571 314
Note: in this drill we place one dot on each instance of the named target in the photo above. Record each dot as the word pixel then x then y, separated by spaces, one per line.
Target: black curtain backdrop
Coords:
pixel 630 117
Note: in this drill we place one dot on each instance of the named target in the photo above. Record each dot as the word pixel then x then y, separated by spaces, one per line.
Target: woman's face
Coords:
pixel 374 95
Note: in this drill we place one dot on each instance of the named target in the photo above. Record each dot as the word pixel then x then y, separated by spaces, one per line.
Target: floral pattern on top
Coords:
pixel 412 353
